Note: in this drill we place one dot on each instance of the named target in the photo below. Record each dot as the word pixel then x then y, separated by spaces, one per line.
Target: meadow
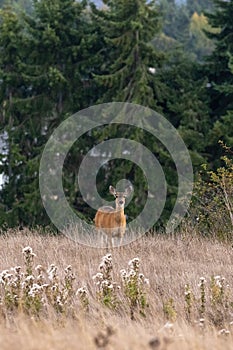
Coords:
pixel 156 293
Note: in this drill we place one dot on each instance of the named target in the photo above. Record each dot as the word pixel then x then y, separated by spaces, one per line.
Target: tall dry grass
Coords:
pixel 169 263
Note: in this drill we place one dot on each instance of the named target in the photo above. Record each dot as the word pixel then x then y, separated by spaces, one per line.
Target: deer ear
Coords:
pixel 128 191
pixel 112 190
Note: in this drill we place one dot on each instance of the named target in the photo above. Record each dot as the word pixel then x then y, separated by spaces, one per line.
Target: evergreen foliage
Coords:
pixel 220 74
pixel 21 123
pixel 60 56
pixel 128 74
pixel 185 23
pixel 129 27
pixel 199 6
pixel 198 42
pixel 185 103
pixel 41 66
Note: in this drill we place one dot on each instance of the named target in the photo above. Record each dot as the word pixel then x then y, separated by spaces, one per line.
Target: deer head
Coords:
pixel 120 196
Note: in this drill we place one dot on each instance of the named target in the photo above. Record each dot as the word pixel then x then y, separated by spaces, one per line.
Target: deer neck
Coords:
pixel 119 210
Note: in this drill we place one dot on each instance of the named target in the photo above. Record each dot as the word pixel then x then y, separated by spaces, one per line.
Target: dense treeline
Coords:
pixel 60 56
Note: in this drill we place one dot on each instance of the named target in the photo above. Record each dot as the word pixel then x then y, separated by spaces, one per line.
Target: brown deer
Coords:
pixel 110 221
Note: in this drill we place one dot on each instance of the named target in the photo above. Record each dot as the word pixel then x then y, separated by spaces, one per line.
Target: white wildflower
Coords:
pixel 68 269
pixel 105 283
pixel 4 272
pixel 123 273
pixel 52 271
pixel 40 278
pixel 168 325
pixel 224 332
pixel 107 257
pixel 201 322
pixel 98 276
pixel 54 288
pixel 27 251
pixel 35 290
pixel 132 273
pixel 5 277
pixel 134 263
pixel 202 279
pixel 81 291
pixel 29 278
pixel 217 277
pixel 106 262
pixel 17 269
pixel 218 283
pixel 59 301
pixel 39 268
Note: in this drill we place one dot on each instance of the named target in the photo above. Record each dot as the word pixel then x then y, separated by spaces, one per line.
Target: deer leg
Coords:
pixel 103 239
pixel 98 236
pixel 122 232
pixel 109 240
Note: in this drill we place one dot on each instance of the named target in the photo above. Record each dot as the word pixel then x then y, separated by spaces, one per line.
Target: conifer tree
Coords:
pixel 57 33
pixel 220 74
pixel 198 43
pixel 175 20
pixel 129 26
pixel 21 124
pixel 219 63
pixel 42 66
pixel 185 103
pixel 199 6
pixel 128 74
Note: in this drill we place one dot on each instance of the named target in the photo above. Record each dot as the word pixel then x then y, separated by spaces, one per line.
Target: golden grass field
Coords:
pixel 168 263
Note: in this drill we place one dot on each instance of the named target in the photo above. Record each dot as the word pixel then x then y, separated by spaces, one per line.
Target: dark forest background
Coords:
pixel 60 56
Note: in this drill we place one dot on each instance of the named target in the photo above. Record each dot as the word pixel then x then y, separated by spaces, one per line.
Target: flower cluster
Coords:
pixel 217 287
pixel 34 289
pixel 105 287
pixel 188 301
pixel 28 258
pixel 83 296
pixel 213 304
pixel 134 286
pixel 202 286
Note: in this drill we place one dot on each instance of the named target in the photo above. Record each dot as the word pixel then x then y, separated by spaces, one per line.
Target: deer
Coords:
pixel 112 221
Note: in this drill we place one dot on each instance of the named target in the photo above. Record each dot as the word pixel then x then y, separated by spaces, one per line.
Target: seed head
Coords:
pixel 98 276
pixel 134 263
pixel 17 269
pixel 81 291
pixel 202 279
pixel 27 251
pixel 68 269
